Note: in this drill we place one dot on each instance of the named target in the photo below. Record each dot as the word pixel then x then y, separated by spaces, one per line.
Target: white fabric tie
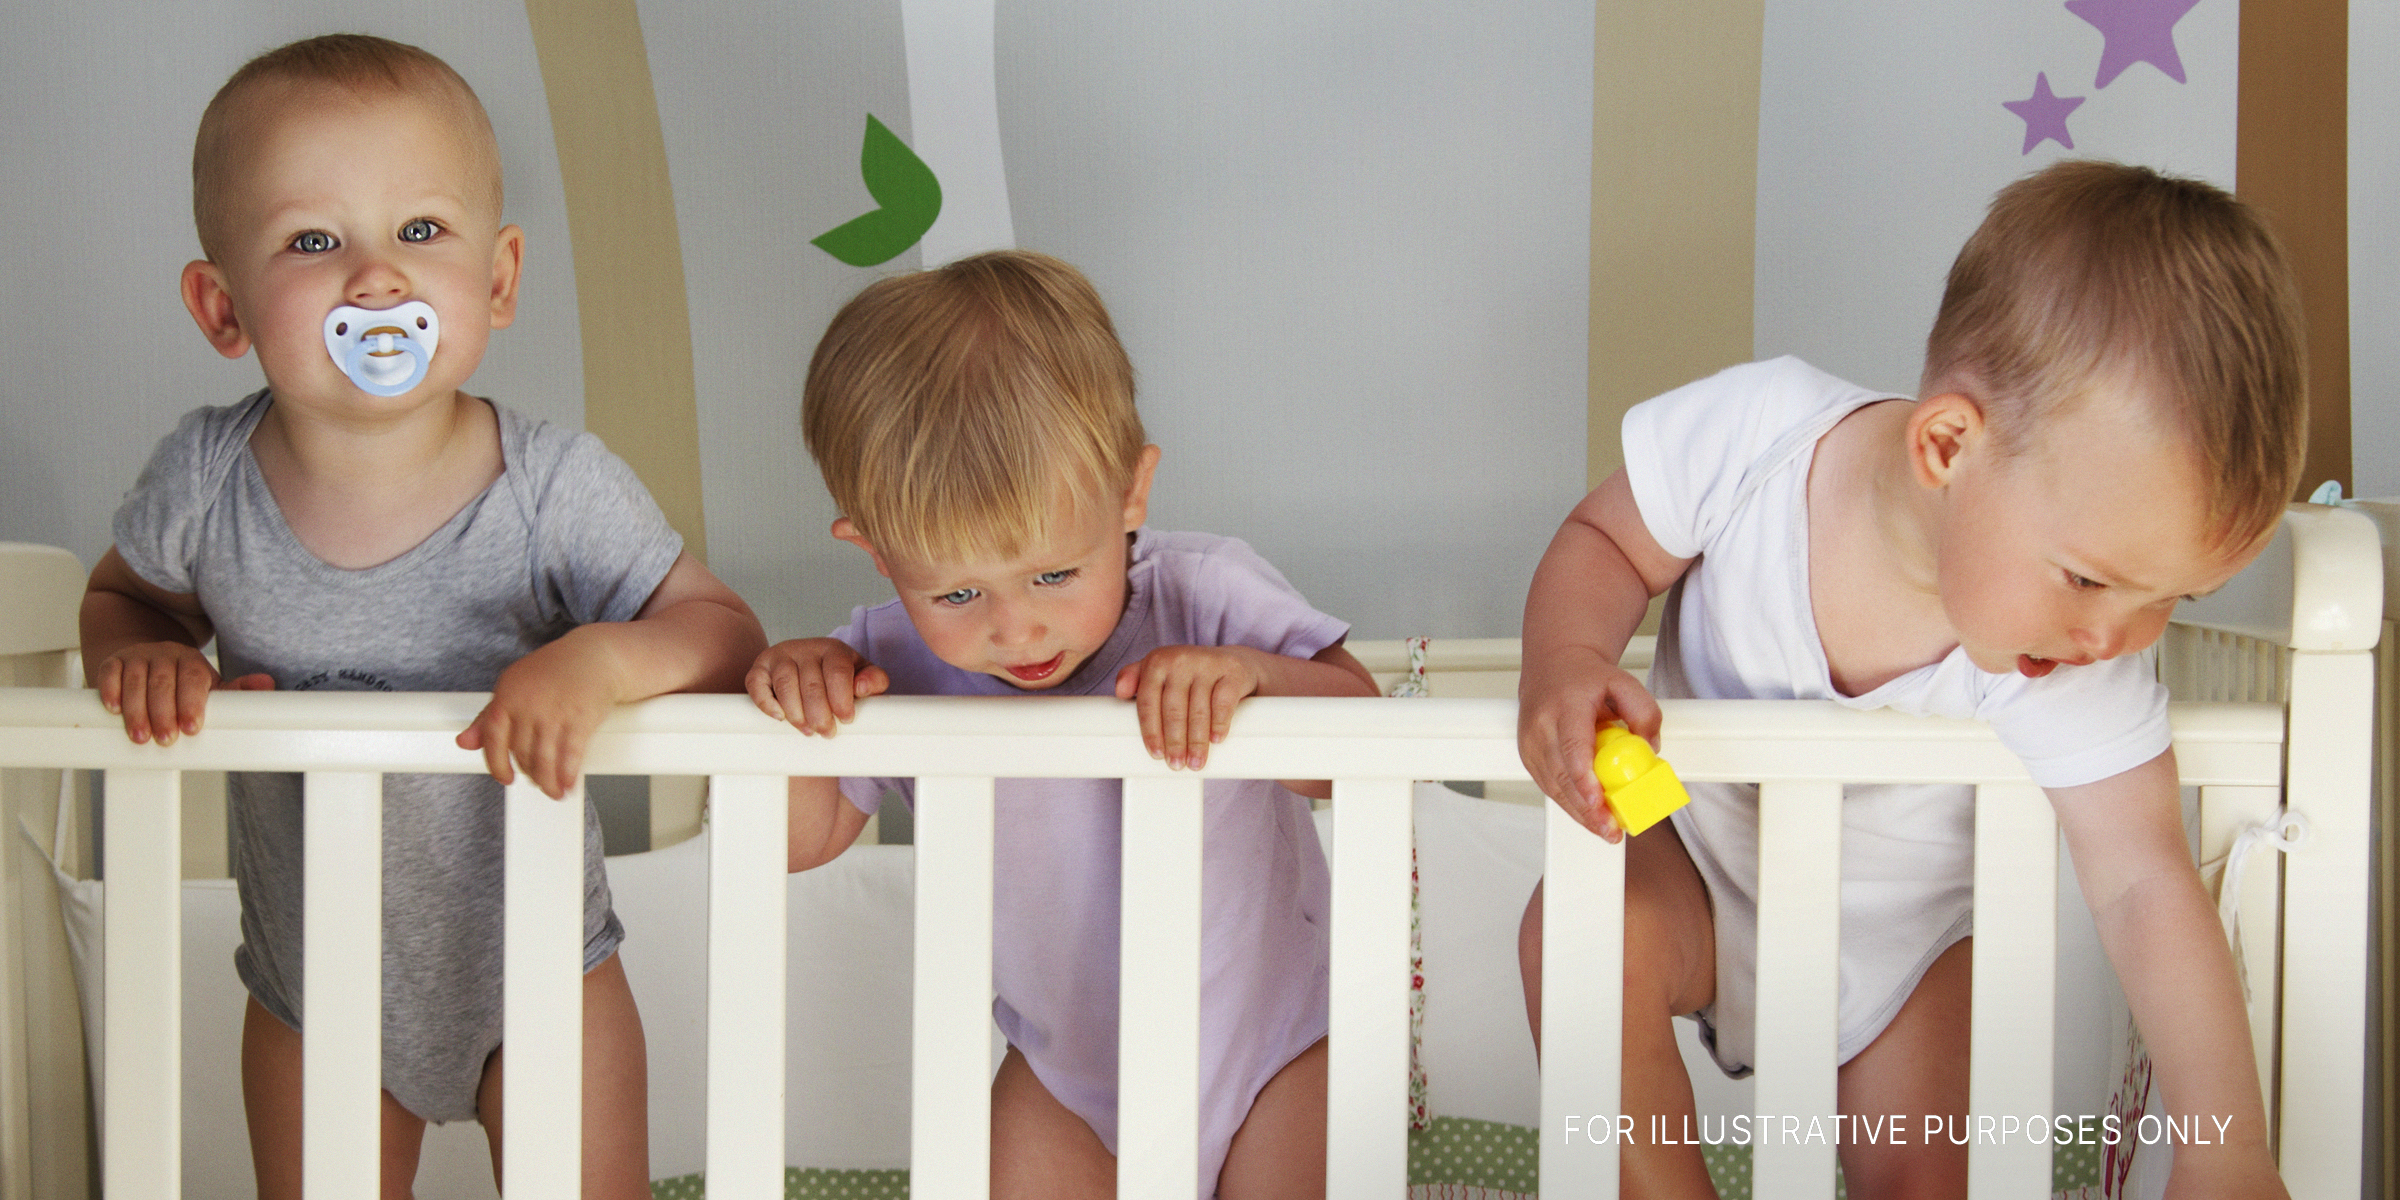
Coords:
pixel 2286 833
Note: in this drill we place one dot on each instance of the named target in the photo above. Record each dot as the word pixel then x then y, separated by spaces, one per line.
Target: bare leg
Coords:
pixel 616 1091
pixel 1279 1152
pixel 1917 1066
pixel 1670 968
pixel 1040 1149
pixel 271 1101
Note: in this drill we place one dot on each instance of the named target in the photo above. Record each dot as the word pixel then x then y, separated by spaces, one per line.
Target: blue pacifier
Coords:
pixel 384 351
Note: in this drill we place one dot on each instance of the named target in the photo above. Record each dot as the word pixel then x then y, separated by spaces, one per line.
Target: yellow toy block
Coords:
pixel 1638 786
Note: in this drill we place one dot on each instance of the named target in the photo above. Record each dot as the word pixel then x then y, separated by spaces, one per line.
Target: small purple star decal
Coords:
pixel 2045 115
pixel 2136 31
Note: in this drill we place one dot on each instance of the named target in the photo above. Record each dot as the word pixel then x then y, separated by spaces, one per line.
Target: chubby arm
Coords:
pixel 141 649
pixel 1351 679
pixel 2161 933
pixel 1588 596
pixel 822 822
pixel 693 635
pixel 816 684
pixel 1184 696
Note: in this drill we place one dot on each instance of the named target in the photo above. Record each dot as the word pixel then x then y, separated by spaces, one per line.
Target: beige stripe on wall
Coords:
pixel 1674 201
pixel 637 329
pixel 2291 162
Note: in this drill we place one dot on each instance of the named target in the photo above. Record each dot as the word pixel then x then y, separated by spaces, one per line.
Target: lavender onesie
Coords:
pixel 1264 894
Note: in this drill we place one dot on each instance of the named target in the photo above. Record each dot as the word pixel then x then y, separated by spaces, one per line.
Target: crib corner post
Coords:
pixel 2321 1076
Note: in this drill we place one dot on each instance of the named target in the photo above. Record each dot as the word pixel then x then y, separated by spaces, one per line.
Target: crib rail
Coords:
pixel 1371 748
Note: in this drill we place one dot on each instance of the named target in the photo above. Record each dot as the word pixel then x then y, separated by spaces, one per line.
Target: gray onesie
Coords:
pixel 565 536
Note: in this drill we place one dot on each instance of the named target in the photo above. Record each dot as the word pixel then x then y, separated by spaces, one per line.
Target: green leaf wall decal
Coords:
pixel 909 196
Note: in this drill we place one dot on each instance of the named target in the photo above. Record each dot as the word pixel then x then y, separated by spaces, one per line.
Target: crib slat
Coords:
pixel 1799 932
pixel 1583 1009
pixel 2224 813
pixel 1366 1151
pixel 747 844
pixel 950 1109
pixel 341 1059
pixel 1158 999
pixel 142 971
pixel 2014 993
pixel 542 997
pixel 2320 1120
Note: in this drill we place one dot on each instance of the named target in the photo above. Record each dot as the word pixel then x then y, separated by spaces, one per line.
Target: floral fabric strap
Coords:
pixel 1419 1115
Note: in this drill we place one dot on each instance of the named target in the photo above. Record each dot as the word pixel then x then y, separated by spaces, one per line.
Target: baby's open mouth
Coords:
pixel 2034 668
pixel 1036 672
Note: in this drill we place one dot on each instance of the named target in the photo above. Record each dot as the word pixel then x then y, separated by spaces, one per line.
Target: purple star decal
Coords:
pixel 2045 115
pixel 2136 31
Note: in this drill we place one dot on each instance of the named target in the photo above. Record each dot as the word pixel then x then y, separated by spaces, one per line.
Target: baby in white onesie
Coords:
pixel 2114 416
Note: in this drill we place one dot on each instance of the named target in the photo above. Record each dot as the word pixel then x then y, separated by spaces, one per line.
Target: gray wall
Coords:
pixel 98 104
pixel 1349 255
pixel 1346 249
pixel 762 107
pixel 1882 136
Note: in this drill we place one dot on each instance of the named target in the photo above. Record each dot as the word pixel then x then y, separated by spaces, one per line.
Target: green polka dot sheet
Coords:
pixel 802 1184
pixel 1452 1158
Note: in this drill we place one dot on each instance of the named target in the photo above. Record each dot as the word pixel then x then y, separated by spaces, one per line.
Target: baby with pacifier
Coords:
pixel 361 523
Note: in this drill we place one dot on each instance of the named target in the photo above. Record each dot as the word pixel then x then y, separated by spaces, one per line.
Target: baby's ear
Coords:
pixel 1137 494
pixel 211 306
pixel 508 267
pixel 847 530
pixel 1940 431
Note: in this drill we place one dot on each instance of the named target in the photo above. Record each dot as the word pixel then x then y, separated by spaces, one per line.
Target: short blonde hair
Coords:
pixel 358 63
pixel 948 408
pixel 2090 274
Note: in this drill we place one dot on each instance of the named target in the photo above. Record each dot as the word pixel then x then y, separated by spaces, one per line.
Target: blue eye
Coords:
pixel 1054 578
pixel 419 230
pixel 315 241
pixel 957 598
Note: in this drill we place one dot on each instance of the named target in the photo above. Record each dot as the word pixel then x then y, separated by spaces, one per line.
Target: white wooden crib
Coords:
pixel 2282 718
